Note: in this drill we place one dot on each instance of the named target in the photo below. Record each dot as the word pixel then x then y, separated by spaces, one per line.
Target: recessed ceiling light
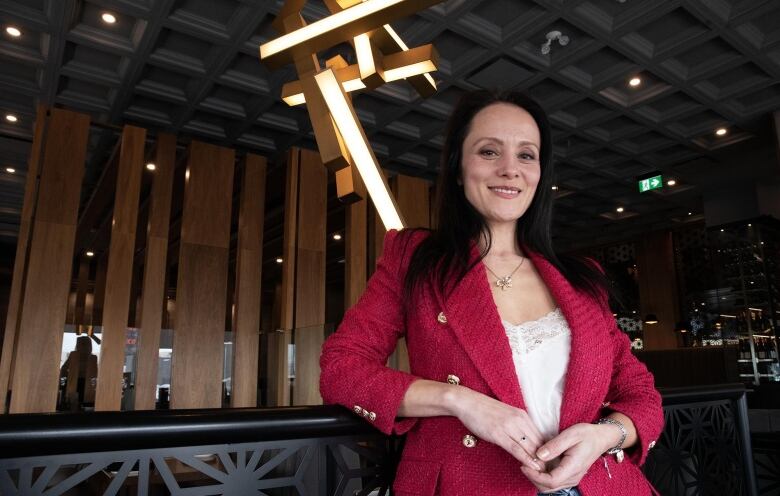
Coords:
pixel 150 166
pixel 721 230
pixel 108 18
pixel 337 237
pixel 10 170
pixel 13 31
pixel 721 131
pixel 671 182
pixel 279 260
pixel 555 188
pixel 11 118
pixel 90 254
pixel 750 225
pixel 634 81
pixel 619 210
pixel 690 213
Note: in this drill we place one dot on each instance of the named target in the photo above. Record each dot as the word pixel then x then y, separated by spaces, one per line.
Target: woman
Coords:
pixel 520 381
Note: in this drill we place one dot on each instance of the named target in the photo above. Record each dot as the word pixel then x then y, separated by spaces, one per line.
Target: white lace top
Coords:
pixel 540 351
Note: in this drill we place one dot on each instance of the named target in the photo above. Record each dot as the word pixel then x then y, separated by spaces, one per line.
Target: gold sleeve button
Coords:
pixel 442 318
pixel 453 379
pixel 469 441
pixel 357 409
pixel 371 416
pixel 651 445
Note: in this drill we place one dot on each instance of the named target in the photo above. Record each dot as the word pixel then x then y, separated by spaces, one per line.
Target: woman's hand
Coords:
pixel 498 423
pixel 578 447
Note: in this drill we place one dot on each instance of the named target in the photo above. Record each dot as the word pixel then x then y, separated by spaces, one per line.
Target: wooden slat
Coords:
pixel 100 289
pixel 310 278
pixel 412 195
pixel 119 274
pixel 278 381
pixel 81 291
pixel 356 249
pixel 153 291
pixel 47 280
pixel 658 289
pixel 249 259
pixel 20 261
pixel 198 339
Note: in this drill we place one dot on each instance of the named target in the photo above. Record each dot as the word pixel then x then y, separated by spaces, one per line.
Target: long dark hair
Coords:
pixel 442 258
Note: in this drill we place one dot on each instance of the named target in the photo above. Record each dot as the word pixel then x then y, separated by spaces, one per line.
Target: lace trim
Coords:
pixel 526 337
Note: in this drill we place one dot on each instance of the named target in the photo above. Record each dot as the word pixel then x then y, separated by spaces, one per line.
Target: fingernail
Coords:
pixel 543 453
pixel 537 467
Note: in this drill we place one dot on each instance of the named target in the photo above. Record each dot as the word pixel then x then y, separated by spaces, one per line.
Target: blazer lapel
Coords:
pixel 472 314
pixel 586 361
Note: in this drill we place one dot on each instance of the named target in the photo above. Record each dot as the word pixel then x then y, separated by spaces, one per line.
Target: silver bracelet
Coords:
pixel 617 450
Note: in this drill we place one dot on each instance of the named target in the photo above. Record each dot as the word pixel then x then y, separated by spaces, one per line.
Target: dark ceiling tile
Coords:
pixel 501 73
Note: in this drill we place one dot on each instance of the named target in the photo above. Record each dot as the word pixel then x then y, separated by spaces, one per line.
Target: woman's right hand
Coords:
pixel 493 421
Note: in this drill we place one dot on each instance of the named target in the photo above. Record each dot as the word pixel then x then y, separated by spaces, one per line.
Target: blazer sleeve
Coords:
pixel 353 361
pixel 632 392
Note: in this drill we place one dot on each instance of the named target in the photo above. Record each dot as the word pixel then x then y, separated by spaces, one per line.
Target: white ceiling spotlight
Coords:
pixel 563 40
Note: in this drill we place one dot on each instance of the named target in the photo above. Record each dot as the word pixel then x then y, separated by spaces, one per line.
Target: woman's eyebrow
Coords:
pixel 501 142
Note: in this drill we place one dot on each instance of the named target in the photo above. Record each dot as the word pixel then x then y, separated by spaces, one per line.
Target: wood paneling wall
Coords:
pixel 81 291
pixel 198 339
pixel 155 266
pixel 303 280
pixel 412 194
pixel 356 249
pixel 658 288
pixel 20 263
pixel 49 264
pixel 249 258
pixel 120 269
pixel 310 278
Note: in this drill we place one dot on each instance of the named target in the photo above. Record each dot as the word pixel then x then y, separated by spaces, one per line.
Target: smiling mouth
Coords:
pixel 504 190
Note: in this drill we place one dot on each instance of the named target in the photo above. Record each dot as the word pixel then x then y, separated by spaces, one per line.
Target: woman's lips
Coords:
pixel 504 192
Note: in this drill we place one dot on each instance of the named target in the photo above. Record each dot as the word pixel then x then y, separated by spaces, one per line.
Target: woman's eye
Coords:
pixel 488 153
pixel 527 156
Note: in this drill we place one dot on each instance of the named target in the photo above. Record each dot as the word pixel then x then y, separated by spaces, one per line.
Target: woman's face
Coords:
pixel 500 168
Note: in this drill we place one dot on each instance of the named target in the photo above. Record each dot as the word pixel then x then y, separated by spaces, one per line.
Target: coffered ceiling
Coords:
pixel 191 67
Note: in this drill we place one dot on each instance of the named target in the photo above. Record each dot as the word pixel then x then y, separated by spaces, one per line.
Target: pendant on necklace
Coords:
pixel 504 282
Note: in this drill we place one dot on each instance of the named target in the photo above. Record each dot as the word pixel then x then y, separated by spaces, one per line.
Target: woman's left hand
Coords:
pixel 578 447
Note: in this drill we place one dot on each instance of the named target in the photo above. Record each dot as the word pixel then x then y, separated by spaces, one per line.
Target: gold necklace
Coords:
pixel 505 282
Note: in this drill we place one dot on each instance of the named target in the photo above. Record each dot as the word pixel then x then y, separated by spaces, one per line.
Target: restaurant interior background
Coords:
pixel 666 126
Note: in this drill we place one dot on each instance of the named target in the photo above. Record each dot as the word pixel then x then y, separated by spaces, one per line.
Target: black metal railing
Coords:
pixel 705 449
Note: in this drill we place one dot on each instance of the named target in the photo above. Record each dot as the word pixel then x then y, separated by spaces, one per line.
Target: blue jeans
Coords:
pixel 572 491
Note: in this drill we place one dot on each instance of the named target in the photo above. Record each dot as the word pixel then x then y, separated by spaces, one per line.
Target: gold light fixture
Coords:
pixel 619 210
pixel 721 131
pixel 10 170
pixel 382 56
pixel 347 123
pixel 90 254
pixel 150 166
pixel 11 118
pixel 108 17
pixel 13 31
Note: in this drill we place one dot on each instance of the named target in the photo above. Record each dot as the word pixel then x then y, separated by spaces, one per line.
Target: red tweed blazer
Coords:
pixel 469 341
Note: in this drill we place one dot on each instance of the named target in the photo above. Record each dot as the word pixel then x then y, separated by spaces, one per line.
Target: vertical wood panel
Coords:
pixel 412 195
pixel 198 339
pixel 356 249
pixel 81 291
pixel 99 294
pixel 47 281
pixel 119 273
pixel 20 261
pixel 278 382
pixel 156 263
pixel 310 278
pixel 249 258
pixel 658 289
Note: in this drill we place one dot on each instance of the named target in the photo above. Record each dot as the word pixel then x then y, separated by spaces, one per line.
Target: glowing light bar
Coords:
pixel 292 92
pixel 363 157
pixel 339 27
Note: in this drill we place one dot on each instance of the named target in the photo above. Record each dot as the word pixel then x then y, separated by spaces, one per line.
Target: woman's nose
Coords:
pixel 508 167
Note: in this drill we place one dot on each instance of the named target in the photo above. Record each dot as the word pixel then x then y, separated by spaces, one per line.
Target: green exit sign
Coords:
pixel 651 183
